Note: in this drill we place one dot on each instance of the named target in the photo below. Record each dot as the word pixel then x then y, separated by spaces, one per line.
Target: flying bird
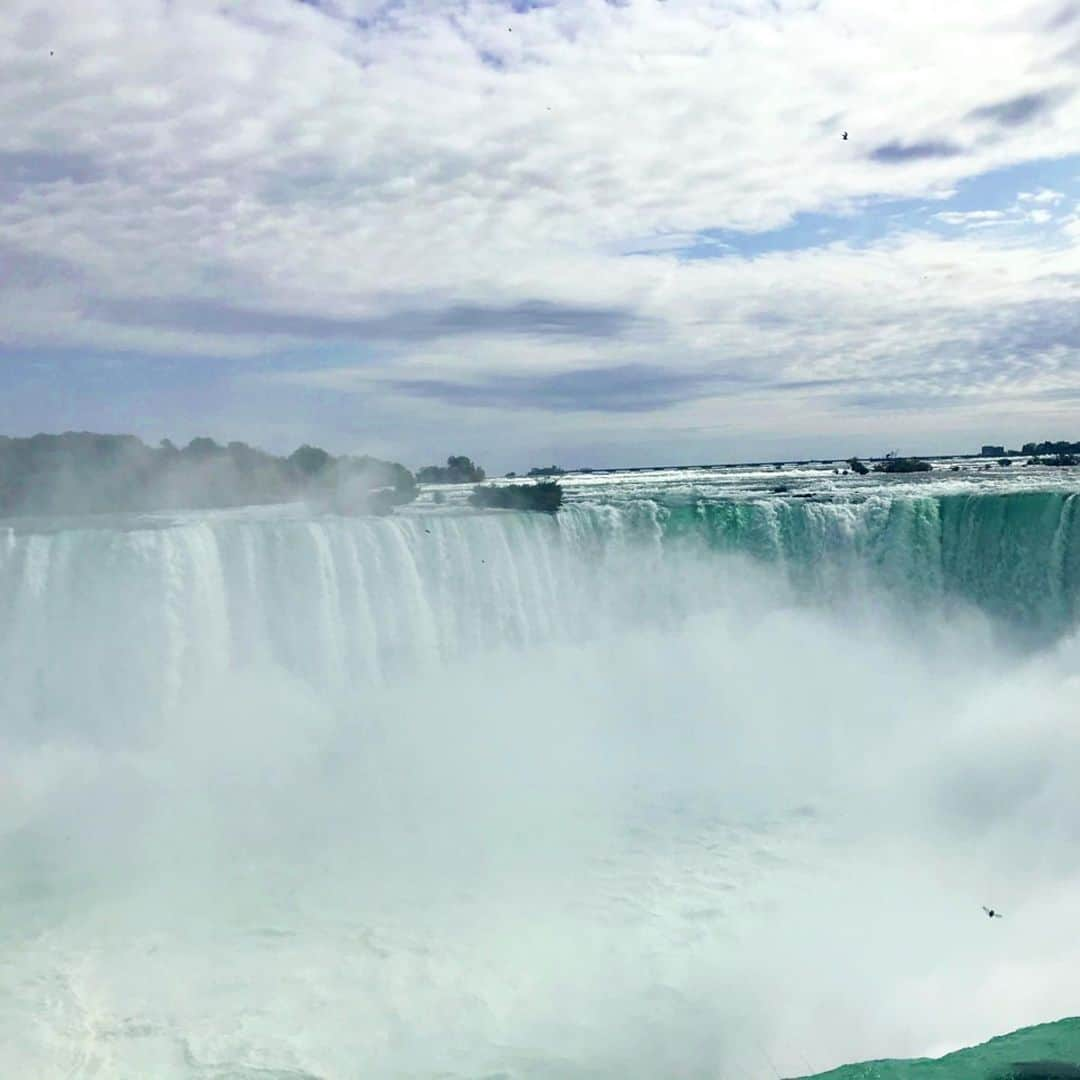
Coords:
pixel 991 913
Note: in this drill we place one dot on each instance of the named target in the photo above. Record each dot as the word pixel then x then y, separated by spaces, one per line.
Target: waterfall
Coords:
pixel 117 621
pixel 628 790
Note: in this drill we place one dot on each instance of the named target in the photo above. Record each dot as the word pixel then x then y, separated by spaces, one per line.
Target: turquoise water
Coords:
pixel 693 779
pixel 1044 1052
pixel 1004 540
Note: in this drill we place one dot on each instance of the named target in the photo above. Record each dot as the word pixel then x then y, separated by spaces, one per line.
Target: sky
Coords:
pixel 543 231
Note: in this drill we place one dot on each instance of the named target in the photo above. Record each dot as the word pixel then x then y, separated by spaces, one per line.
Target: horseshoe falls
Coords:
pixel 692 779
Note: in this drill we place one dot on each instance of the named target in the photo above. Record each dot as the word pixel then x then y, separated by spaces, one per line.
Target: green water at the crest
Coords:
pixel 1045 1052
pixel 1014 555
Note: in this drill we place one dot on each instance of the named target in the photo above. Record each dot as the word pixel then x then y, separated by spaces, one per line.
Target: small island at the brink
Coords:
pixel 903 465
pixel 545 495
pixel 891 464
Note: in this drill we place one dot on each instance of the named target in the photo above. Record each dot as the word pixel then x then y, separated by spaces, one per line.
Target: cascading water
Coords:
pixel 670 784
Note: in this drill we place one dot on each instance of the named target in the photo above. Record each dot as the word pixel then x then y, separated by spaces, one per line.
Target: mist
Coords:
pixel 303 798
pixel 80 473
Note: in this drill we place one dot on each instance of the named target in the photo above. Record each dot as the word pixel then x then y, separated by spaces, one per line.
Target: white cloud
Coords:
pixel 1043 196
pixel 971 218
pixel 279 159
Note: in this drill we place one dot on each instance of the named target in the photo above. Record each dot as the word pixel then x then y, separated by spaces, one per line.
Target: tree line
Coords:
pixel 83 472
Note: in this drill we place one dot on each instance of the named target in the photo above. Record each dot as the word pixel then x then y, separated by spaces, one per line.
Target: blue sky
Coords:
pixel 996 191
pixel 588 232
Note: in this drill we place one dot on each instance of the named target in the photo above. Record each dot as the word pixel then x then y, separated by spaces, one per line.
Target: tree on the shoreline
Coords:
pixel 83 472
pixel 458 470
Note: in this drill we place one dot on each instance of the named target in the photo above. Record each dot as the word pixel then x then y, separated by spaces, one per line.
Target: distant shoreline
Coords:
pixel 773 462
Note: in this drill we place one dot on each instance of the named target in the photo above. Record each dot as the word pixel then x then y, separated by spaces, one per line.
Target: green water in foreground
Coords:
pixel 1044 1052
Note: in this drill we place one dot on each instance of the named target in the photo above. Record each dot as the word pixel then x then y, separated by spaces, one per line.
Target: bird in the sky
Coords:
pixel 991 913
pixel 844 136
